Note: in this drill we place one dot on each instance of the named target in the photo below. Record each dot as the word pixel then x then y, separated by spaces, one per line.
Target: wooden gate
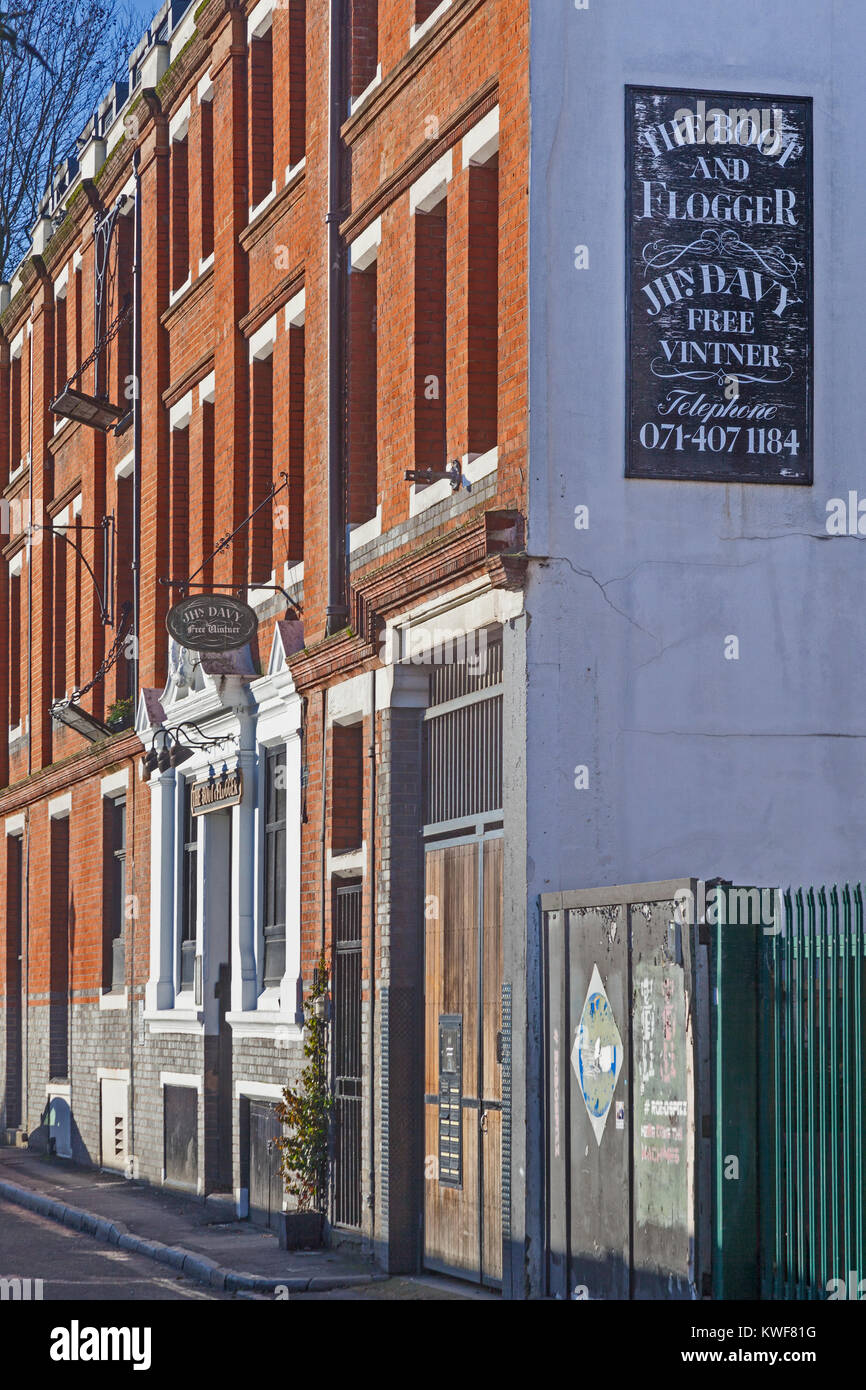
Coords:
pixel 625 999
pixel 463 1091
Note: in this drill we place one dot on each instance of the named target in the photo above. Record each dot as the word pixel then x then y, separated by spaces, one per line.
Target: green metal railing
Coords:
pixel 789 1076
pixel 810 1102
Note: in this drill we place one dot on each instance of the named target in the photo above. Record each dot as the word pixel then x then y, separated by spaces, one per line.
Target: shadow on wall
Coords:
pixel 57 1134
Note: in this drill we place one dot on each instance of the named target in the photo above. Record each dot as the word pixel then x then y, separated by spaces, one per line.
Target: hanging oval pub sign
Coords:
pixel 212 623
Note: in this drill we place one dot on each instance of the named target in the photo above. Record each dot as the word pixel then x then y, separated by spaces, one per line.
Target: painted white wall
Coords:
pixel 753 769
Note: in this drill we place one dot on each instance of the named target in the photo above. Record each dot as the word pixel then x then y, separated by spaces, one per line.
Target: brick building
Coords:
pixel 288 311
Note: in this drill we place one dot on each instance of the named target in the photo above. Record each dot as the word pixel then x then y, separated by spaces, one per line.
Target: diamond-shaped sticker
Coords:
pixel 597 1054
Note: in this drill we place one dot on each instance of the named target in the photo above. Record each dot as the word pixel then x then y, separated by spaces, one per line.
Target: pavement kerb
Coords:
pixel 198 1267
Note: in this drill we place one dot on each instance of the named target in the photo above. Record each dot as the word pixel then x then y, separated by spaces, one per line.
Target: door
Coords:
pixel 180 1133
pixel 463 1091
pixel 14 1011
pixel 266 1187
pixel 347 1055
pixel 223 1181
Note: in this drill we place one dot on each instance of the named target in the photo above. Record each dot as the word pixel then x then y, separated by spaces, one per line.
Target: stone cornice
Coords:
pixel 406 71
pixel 289 286
pixel 490 543
pixel 422 158
pixel 283 202
pixel 196 373
pixel 189 299
pixel 77 768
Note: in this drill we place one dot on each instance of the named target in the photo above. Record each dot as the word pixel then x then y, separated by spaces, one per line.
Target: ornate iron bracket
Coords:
pixel 104 594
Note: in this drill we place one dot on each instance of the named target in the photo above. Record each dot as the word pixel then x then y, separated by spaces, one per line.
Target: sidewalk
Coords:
pixel 173 1228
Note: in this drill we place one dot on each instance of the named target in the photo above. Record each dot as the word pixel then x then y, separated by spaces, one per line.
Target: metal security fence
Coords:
pixel 811 1095
pixel 789 1192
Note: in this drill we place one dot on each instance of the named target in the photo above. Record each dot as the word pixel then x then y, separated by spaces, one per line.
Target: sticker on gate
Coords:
pixel 597 1054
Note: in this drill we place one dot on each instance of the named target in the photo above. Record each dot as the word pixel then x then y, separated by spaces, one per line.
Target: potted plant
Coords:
pixel 305 1112
pixel 120 715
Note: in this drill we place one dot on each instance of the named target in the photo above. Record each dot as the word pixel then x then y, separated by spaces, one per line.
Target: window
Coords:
pixel 347 791
pixel 431 237
pixel 206 488
pixel 12 971
pixel 364 54
pixel 179 214
pixel 58 1012
pixel 15 617
pixel 261 561
pixel 180 518
pixel 124 578
pixel 189 900
pixel 114 819
pixel 60 372
pixel 207 176
pixel 59 553
pixel 297 77
pixel 291 436
pixel 363 391
pixel 14 413
pixel 261 98
pixel 77 301
pixel 483 307
pixel 124 234
pixel 75 612
pixel 275 867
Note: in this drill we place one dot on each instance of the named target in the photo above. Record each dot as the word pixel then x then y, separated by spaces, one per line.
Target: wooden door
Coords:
pixel 463 1119
pixel 265 1183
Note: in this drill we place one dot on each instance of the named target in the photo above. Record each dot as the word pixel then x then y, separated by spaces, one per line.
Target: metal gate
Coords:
pixel 790 1201
pixel 347 1055
pixel 624 993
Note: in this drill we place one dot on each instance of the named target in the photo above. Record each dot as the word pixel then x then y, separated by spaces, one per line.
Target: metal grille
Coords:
pixel 385 1099
pixel 506 1116
pixel 811 1102
pixel 451 1100
pixel 475 663
pixel 463 757
pixel 347 1056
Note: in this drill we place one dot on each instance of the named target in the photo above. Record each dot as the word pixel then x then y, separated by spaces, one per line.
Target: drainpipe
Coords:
pixel 372 893
pixel 29 552
pixel 322 831
pixel 136 543
pixel 337 613
pixel 29 549
pixel 136 423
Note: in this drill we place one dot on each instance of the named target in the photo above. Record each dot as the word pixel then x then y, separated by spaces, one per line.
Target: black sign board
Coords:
pixel 719 286
pixel 212 623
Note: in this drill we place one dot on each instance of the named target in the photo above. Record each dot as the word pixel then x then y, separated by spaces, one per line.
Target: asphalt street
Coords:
pixel 74 1266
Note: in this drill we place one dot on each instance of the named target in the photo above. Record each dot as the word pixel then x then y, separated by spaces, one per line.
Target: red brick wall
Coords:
pixel 475 55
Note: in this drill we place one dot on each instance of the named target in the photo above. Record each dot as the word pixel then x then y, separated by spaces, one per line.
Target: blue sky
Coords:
pixel 144 10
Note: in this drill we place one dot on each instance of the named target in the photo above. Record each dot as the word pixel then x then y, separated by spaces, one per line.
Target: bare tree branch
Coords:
pixel 57 60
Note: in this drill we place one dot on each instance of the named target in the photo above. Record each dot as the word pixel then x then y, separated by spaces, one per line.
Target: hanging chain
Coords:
pixel 111 658
pixel 108 337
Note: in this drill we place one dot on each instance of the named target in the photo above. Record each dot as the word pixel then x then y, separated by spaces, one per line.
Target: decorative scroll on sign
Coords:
pixel 719 276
